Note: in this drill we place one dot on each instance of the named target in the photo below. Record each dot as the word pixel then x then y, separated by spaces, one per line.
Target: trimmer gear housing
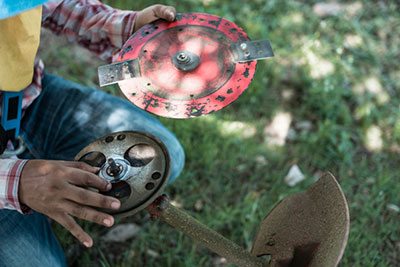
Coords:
pixel 136 164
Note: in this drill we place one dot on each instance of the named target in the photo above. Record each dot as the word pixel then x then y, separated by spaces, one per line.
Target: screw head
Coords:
pixel 182 57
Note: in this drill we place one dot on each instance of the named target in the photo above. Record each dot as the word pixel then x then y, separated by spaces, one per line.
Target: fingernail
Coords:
pixel 86 244
pixel 115 205
pixel 107 222
pixel 108 187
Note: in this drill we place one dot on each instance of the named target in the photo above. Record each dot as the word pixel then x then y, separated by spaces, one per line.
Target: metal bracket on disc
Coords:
pixel 113 73
pixel 252 50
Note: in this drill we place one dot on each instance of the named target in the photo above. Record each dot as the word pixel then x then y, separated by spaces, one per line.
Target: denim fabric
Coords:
pixel 65 118
pixel 27 240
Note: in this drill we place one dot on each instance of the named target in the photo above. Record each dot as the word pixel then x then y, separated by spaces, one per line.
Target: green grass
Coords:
pixel 223 169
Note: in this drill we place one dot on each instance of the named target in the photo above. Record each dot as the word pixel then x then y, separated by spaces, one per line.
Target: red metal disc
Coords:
pixel 187 68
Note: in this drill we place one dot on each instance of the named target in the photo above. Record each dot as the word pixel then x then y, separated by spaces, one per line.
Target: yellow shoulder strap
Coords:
pixel 19 42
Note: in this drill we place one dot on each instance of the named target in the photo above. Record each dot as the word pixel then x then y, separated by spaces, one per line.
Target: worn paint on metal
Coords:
pixel 162 209
pixel 136 164
pixel 308 229
pixel 192 93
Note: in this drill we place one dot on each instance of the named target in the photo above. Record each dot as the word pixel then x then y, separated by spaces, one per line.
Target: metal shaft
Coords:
pixel 114 169
pixel 161 208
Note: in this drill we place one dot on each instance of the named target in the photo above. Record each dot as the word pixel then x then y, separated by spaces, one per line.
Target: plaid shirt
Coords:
pixel 94 25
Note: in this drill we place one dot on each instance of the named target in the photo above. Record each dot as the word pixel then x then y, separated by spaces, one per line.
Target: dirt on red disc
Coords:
pixel 164 88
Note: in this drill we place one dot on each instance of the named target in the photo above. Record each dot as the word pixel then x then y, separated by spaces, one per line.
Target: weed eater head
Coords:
pixel 136 164
pixel 195 65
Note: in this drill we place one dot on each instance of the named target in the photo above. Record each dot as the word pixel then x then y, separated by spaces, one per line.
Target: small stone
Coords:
pixel 219 262
pixel 392 207
pixel 261 160
pixel 327 9
pixel 287 94
pixel 177 203
pixel 370 180
pixel 198 206
pixel 373 139
pixel 276 132
pixel 241 167
pixel 334 8
pixel 207 2
pixel 352 40
pixel 294 176
pixel 121 232
pixel 242 129
pixel 152 253
pixel 304 125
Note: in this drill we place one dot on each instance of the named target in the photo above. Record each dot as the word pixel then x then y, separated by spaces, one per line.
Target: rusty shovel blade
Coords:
pixel 306 229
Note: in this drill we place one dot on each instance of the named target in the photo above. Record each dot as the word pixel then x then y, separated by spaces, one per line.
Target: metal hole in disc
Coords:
pixel 140 155
pixel 156 175
pixel 94 158
pixel 109 139
pixel 120 190
pixel 149 186
pixel 121 137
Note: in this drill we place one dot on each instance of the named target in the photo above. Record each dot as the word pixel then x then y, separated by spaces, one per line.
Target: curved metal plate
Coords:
pixel 165 88
pixel 306 229
pixel 144 168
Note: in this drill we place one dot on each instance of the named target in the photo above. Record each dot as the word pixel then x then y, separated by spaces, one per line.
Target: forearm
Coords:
pixel 96 26
pixel 10 173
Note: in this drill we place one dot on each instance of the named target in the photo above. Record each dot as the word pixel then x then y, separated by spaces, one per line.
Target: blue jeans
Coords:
pixel 63 119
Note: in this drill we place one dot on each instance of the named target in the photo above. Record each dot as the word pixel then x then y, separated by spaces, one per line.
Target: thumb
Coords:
pixel 164 12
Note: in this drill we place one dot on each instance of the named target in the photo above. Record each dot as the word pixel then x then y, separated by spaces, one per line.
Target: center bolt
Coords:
pixel 114 169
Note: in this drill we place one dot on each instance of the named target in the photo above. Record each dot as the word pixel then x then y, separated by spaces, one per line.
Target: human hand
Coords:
pixel 55 188
pixel 152 13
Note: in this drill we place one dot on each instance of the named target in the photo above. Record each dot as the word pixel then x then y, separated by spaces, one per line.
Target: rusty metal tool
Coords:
pixel 306 229
pixel 136 165
pixel 195 65
pixel 162 209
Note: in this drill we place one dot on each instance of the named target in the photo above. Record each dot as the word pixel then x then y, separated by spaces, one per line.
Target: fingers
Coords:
pixel 81 165
pixel 70 224
pixel 153 13
pixel 94 199
pixel 164 12
pixel 82 178
pixel 89 214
